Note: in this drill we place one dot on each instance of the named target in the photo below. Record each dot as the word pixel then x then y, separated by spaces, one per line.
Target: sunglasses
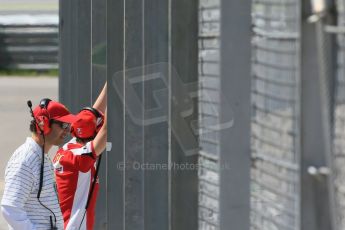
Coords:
pixel 61 124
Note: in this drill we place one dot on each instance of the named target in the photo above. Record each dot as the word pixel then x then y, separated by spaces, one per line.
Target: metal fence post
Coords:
pixel 317 198
pixel 235 53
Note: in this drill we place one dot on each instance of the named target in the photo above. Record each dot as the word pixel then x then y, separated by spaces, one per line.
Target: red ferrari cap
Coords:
pixel 55 111
pixel 85 126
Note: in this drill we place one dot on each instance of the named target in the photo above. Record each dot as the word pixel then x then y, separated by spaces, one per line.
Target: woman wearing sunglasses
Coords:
pixel 75 166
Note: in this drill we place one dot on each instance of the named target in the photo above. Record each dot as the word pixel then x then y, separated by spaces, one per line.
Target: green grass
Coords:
pixel 31 73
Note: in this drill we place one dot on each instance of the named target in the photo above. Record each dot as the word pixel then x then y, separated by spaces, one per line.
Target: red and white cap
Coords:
pixel 55 111
pixel 87 124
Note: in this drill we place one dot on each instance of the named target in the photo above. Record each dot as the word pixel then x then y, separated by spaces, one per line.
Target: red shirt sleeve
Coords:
pixel 81 158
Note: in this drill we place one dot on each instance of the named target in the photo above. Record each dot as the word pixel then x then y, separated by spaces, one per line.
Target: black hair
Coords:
pixel 84 140
pixel 33 128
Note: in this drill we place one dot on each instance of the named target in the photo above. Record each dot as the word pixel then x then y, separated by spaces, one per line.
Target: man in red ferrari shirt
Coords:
pixel 75 166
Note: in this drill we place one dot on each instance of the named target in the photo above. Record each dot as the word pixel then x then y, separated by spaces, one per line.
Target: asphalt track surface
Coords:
pixel 15 116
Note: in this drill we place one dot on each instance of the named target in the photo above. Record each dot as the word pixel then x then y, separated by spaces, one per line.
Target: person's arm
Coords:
pixel 82 159
pixel 19 181
pixel 101 102
pixel 16 218
pixel 100 140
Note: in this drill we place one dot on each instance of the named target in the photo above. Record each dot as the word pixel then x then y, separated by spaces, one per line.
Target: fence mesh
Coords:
pixel 209 85
pixel 275 116
pixel 339 123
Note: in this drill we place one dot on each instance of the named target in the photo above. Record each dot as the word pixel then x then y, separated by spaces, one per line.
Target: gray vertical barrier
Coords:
pixel 275 135
pixel 98 77
pixel 156 142
pixel 184 114
pixel 224 114
pixel 177 74
pixel 234 114
pixel 149 69
pixel 66 72
pixel 83 66
pixel 75 54
pixel 98 46
pixel 115 177
pixel 134 152
pixel 235 107
pixel 339 120
pixel 151 52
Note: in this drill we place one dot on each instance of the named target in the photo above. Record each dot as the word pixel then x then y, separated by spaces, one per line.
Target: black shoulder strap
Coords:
pixel 92 188
pixel 93 182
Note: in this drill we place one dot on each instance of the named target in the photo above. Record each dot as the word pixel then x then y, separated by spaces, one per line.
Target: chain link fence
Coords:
pixel 275 115
pixel 209 87
pixel 339 122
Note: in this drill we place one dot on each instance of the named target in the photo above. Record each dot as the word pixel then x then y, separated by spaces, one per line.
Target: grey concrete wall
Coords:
pixel 149 55
pixel 158 55
pixel 179 79
pixel 98 76
pixel 115 178
pixel 75 54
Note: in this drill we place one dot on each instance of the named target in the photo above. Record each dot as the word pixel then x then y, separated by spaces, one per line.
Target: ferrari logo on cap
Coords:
pixel 79 131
